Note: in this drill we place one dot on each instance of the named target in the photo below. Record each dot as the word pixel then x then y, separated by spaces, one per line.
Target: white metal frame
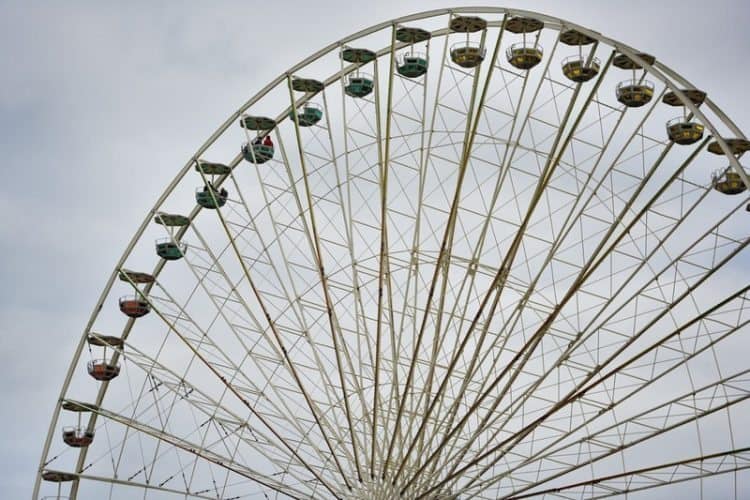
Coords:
pixel 393 454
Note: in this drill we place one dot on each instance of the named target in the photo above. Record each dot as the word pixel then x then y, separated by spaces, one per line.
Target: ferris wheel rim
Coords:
pixel 667 76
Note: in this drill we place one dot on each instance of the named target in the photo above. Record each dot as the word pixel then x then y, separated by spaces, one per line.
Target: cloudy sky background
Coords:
pixel 102 103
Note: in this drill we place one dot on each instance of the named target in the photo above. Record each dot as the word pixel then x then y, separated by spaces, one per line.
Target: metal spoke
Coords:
pixel 486 270
pixel 653 477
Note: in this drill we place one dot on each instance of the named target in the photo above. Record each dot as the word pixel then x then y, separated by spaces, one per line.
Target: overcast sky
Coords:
pixel 102 102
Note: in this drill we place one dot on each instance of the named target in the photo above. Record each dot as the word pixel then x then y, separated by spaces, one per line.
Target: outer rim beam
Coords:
pixel 551 22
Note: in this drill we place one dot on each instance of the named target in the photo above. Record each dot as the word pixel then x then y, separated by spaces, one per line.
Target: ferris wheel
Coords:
pixel 468 253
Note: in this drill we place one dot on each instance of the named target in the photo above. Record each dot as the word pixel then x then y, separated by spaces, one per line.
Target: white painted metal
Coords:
pixel 379 313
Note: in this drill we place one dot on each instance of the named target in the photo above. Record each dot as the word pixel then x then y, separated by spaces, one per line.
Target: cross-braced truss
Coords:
pixel 461 267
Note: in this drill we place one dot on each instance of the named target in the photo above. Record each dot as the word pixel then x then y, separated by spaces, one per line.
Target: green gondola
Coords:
pixel 359 86
pixel 308 115
pixel 169 250
pixel 204 198
pixel 412 66
pixel 259 153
